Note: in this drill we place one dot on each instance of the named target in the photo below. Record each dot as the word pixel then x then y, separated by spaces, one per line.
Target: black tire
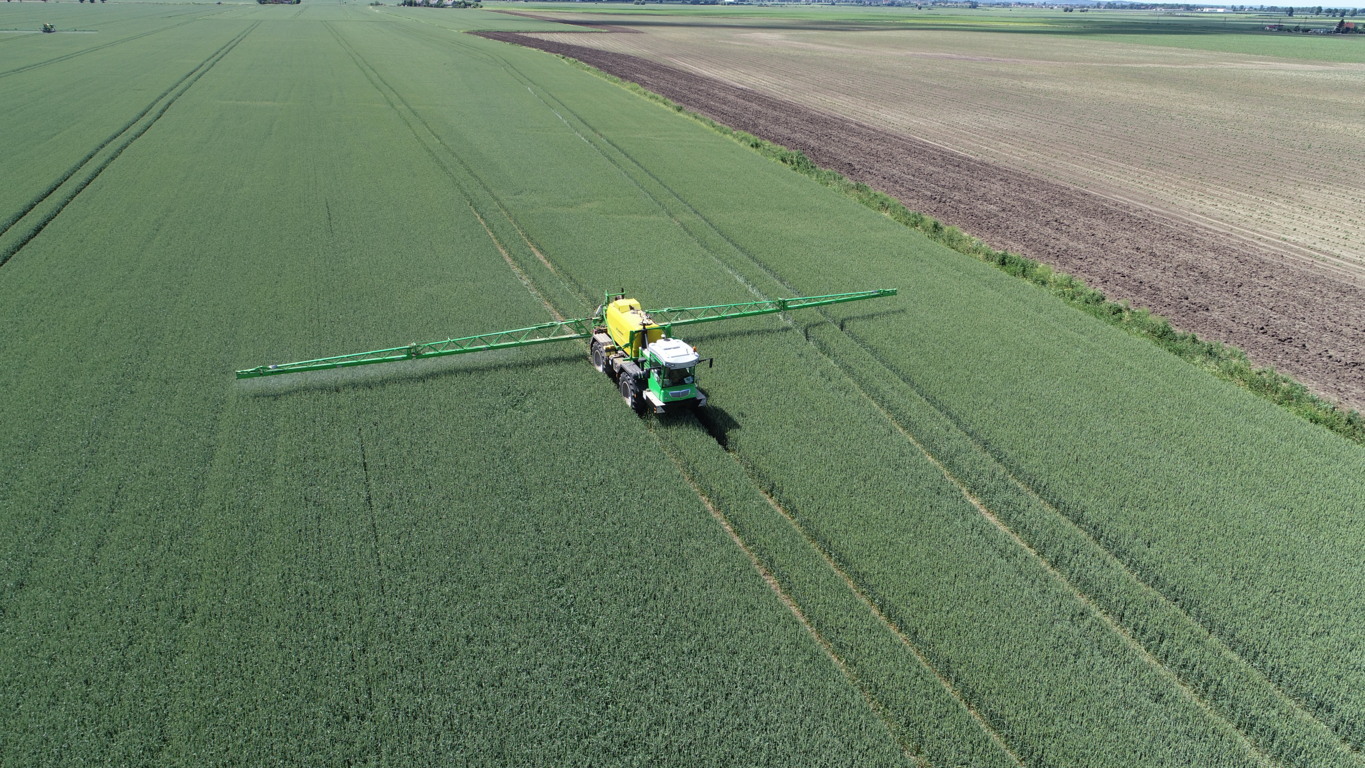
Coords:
pixel 599 358
pixel 630 390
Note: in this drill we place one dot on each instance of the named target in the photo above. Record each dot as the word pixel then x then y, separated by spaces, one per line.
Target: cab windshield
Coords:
pixel 674 376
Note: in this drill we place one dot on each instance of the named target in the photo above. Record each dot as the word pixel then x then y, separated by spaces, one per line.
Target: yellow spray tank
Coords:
pixel 630 327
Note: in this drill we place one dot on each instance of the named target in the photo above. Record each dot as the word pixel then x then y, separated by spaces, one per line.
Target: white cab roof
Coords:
pixel 674 353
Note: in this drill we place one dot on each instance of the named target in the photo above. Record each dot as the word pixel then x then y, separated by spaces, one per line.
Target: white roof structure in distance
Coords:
pixel 674 353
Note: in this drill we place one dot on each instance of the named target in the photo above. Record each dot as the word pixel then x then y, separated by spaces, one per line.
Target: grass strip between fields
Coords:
pixel 1222 360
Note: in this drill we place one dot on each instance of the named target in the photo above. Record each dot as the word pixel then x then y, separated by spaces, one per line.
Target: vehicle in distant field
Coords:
pixel 49 28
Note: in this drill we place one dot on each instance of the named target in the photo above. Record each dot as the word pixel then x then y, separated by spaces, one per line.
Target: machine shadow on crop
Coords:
pixel 717 423
pixel 715 420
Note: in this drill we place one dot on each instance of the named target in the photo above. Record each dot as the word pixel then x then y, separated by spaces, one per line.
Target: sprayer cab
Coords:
pixel 673 374
pixel 653 372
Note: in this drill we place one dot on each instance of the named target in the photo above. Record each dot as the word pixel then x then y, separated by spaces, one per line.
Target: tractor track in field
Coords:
pixel 130 132
pixel 879 709
pixel 522 277
pixel 1300 317
pixel 828 554
pixel 882 712
pixel 1113 624
pixel 8 223
pixel 894 627
pixel 568 281
pixel 92 49
pixel 1163 667
pixel 370 516
pixel 1014 476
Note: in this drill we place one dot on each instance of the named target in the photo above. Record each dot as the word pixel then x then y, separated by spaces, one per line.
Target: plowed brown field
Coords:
pixel 1294 302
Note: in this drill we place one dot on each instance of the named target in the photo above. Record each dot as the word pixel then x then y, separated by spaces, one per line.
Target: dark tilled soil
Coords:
pixel 1302 319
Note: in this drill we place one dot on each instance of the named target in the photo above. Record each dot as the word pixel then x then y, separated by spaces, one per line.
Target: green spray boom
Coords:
pixel 563 330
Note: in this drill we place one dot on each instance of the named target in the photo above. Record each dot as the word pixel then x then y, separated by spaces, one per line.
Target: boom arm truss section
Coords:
pixel 544 333
pixel 671 316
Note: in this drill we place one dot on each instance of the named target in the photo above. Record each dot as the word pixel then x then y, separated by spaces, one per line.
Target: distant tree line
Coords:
pixel 1316 10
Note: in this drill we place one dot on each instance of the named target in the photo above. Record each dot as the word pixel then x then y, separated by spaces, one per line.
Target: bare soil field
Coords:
pixel 1247 265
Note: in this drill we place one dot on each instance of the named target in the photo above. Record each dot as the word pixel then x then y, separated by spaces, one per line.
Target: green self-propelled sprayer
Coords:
pixel 634 347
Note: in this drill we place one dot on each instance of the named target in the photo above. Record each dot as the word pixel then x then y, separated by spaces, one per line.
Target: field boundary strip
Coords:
pixel 1221 360
pixel 938 181
pixel 129 133
pixel 1191 690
